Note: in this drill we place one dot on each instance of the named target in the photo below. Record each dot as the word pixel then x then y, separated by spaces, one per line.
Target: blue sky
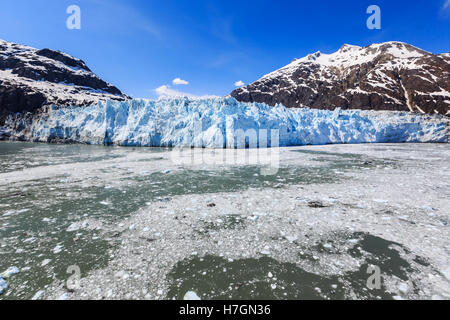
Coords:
pixel 140 45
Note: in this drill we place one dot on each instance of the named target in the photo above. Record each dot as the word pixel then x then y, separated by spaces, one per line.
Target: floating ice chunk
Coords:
pixel 428 208
pixel 77 226
pixel 38 295
pixel 45 262
pixel 291 239
pixel 3 285
pixel 191 296
pixel 10 272
pixel 8 213
pixel 57 249
pixel 63 297
pixel 121 275
pixel 266 251
pixel 446 273
pixel 73 227
pixel 403 288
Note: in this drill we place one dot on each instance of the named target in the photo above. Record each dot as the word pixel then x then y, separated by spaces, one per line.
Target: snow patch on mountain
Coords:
pixel 214 123
pixel 350 55
pixel 375 77
pixel 31 78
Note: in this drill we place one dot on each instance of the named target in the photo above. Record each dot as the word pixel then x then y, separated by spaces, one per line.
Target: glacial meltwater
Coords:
pixel 137 223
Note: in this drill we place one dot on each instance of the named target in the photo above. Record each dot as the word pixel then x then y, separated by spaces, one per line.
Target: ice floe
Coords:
pixel 3 285
pixel 5 275
pixel 192 296
pixel 9 272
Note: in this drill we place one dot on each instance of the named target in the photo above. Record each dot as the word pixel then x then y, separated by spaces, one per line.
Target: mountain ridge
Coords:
pixel 385 76
pixel 31 78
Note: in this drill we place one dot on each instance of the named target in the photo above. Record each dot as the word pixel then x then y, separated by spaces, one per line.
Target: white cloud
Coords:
pixel 167 91
pixel 239 84
pixel 179 81
pixel 446 5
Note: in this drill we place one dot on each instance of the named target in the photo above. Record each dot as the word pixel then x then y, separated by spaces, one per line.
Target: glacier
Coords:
pixel 215 123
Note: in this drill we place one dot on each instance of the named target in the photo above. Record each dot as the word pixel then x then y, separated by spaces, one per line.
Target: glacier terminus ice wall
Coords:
pixel 219 123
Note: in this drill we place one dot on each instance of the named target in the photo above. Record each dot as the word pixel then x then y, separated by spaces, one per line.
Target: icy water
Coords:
pixel 216 278
pixel 71 205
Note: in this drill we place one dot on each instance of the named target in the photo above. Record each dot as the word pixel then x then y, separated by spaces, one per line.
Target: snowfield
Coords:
pixel 222 122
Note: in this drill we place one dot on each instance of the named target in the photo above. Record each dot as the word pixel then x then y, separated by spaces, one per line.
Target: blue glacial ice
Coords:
pixel 217 122
pixel 5 275
pixel 10 272
pixel 3 285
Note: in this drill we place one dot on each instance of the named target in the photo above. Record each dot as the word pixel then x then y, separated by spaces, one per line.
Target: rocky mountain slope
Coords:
pixel 32 78
pixel 387 76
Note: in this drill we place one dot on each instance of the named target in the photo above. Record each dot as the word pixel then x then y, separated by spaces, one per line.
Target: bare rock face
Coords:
pixel 31 78
pixel 387 76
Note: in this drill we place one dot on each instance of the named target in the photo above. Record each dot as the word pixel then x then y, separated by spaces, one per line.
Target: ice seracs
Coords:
pixel 219 123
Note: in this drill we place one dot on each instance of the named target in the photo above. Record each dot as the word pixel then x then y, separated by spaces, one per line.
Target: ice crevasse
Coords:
pixel 220 122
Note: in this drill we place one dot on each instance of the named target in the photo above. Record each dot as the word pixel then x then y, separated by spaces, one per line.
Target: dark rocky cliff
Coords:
pixel 387 76
pixel 31 78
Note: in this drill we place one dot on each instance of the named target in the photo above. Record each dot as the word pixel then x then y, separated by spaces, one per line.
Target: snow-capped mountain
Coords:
pixel 386 76
pixel 31 78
